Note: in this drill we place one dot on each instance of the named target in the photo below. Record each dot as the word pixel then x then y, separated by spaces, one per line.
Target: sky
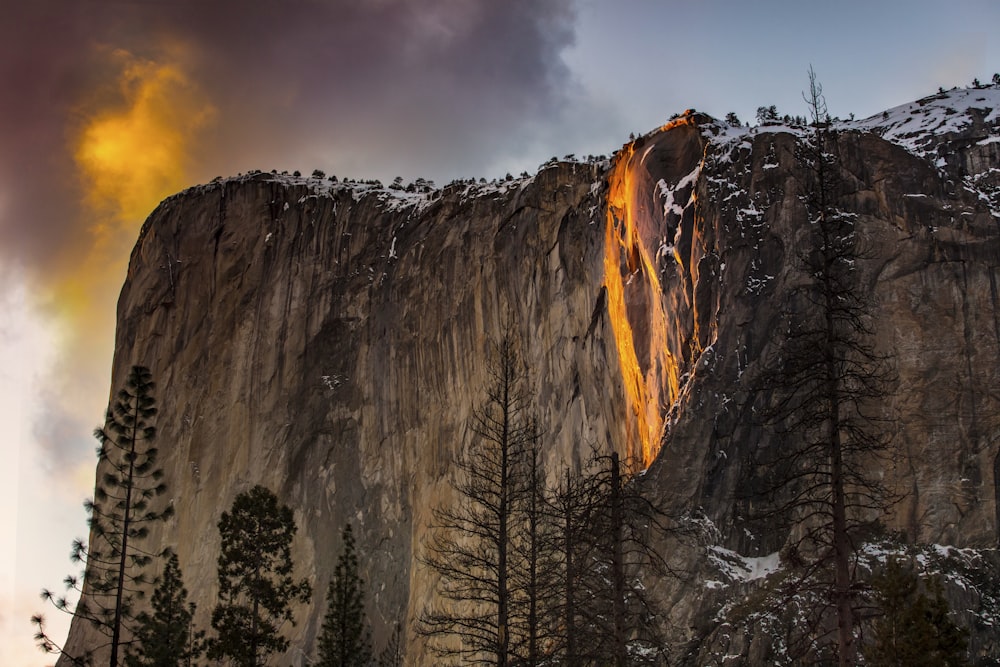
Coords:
pixel 108 106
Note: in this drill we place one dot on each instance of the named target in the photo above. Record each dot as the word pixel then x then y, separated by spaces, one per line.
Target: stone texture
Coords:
pixel 329 342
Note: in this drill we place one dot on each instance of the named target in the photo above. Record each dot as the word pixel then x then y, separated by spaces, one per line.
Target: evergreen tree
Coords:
pixel 166 638
pixel 767 115
pixel 913 628
pixel 391 655
pixel 345 640
pixel 256 588
pixel 119 516
pixel 49 645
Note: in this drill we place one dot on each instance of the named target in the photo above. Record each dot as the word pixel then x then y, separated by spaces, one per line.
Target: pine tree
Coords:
pixel 256 588
pixel 913 628
pixel 345 640
pixel 119 516
pixel 166 638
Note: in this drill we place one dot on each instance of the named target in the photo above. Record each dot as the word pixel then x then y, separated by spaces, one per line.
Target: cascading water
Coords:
pixel 634 233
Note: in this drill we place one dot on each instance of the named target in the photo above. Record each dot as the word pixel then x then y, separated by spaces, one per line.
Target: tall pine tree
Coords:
pixel 166 638
pixel 345 640
pixel 256 588
pixel 119 516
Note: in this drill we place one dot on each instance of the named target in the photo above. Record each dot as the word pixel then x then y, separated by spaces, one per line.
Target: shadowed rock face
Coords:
pixel 329 341
pixel 931 267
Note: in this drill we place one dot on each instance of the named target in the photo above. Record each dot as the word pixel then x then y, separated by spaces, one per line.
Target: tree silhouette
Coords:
pixel 166 638
pixel 345 640
pixel 618 616
pixel 535 576
pixel 256 587
pixel 571 507
pixel 821 390
pixel 472 542
pixel 119 517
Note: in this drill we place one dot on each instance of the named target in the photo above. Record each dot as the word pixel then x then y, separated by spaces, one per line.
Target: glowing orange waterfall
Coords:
pixel 649 371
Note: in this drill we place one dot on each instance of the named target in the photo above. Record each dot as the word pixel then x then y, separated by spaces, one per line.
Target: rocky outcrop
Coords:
pixel 932 252
pixel 329 341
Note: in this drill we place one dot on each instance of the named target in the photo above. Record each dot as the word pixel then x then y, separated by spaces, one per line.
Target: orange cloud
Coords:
pixel 135 143
pixel 133 153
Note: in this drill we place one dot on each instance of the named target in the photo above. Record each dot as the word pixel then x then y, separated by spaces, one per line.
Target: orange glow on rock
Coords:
pixel 636 304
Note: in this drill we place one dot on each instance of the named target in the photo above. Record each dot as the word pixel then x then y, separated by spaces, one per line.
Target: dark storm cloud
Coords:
pixel 391 85
pixel 41 49
pixel 433 88
pixel 376 88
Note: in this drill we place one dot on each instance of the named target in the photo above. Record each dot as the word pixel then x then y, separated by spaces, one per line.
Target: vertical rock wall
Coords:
pixel 330 342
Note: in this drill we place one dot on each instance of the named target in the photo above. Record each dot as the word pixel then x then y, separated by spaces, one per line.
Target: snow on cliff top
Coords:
pixel 918 126
pixel 416 195
pixel 914 125
pixel 419 194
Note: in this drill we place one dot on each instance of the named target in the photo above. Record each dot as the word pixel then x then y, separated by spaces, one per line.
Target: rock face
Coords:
pixel 329 340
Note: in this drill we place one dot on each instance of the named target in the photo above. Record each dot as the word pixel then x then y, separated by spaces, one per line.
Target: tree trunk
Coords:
pixel 503 595
pixel 620 630
pixel 116 633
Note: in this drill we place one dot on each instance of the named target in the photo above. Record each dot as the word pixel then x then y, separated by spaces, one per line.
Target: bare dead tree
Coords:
pixel 820 394
pixel 568 509
pixel 617 617
pixel 472 542
pixel 537 576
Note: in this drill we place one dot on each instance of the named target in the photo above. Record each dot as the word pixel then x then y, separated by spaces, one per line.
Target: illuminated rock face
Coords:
pixel 330 342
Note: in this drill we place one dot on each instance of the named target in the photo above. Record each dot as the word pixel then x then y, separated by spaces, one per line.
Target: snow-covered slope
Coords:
pixel 923 127
pixel 957 130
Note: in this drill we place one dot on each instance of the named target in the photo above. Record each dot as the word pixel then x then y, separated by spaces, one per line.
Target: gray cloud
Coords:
pixel 389 87
pixel 40 76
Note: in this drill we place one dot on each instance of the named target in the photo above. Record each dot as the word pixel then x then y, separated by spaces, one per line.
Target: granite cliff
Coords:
pixel 328 340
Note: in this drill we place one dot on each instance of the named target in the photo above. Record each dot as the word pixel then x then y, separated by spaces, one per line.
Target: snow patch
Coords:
pixel 915 125
pixel 739 568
